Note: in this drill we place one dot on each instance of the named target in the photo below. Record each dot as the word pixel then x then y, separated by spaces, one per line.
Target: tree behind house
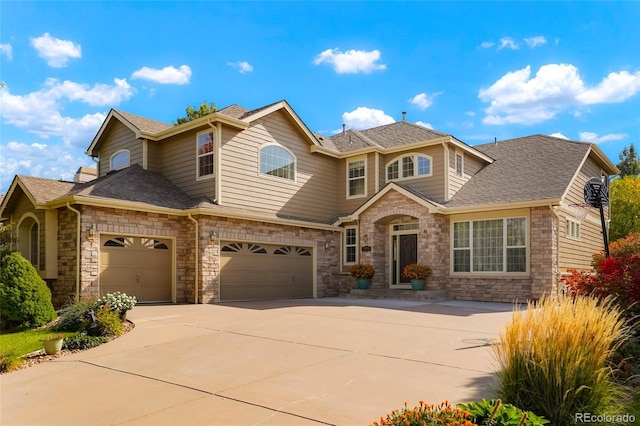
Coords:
pixel 192 113
pixel 629 164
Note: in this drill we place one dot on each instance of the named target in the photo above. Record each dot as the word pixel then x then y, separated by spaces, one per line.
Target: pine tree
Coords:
pixel 629 164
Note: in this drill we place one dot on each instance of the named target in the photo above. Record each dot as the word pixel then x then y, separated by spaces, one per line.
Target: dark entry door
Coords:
pixel 406 250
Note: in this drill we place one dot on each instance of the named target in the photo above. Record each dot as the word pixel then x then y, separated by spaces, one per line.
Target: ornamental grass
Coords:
pixel 553 358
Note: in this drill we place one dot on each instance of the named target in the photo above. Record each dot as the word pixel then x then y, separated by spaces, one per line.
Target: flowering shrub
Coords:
pixel 416 271
pixel 117 301
pixel 362 270
pixel 617 276
pixel 427 415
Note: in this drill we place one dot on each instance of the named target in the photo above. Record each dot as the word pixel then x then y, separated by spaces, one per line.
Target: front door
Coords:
pixel 404 247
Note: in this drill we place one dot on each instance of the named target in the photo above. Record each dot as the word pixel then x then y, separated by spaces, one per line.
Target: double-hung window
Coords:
pixel 350 244
pixel 495 245
pixel 356 178
pixel 205 155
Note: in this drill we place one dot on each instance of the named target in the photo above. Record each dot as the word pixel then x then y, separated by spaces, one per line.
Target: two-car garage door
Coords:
pixel 138 266
pixel 262 271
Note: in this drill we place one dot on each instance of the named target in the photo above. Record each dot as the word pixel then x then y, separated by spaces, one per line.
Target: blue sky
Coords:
pixel 478 70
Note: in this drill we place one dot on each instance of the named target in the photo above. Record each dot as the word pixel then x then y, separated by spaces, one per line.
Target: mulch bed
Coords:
pixel 40 356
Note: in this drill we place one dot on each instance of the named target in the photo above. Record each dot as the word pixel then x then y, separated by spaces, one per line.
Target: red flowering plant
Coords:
pixel 617 276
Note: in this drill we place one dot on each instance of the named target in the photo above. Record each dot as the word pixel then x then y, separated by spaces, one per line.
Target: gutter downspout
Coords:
pixel 77 212
pixel 556 267
pixel 196 258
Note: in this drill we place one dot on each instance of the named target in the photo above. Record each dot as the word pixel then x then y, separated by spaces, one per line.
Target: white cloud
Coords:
pixel 519 98
pixel 6 50
pixel 594 138
pixel 559 135
pixel 422 100
pixel 351 61
pixel 535 41
pixel 242 66
pixel 616 87
pixel 166 75
pixel 507 42
pixel 470 113
pixel 423 124
pixel 56 51
pixel 40 112
pixel 365 118
pixel 487 44
pixel 53 161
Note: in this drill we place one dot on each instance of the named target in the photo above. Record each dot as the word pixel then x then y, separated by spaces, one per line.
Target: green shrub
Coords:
pixel 82 341
pixel 72 317
pixel 109 322
pixel 553 358
pixel 24 296
pixel 8 361
pixel 426 415
pixel 495 413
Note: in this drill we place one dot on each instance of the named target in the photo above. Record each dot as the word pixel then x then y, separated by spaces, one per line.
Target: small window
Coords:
pixel 34 245
pixel 409 167
pixel 277 161
pixel 459 165
pixel 572 229
pixel 350 241
pixel 356 178
pixel 205 155
pixel 120 160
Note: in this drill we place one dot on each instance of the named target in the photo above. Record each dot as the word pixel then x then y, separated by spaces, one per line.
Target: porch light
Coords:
pixel 213 236
pixel 91 233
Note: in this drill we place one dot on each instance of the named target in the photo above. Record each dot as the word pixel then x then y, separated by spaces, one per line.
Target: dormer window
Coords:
pixel 205 155
pixel 120 159
pixel 277 161
pixel 409 167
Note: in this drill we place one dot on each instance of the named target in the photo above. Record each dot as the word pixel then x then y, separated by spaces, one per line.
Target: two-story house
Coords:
pixel 250 204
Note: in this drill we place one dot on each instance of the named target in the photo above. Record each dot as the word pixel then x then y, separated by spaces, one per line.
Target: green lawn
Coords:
pixel 25 342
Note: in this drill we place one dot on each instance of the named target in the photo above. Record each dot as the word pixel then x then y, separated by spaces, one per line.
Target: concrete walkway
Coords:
pixel 316 361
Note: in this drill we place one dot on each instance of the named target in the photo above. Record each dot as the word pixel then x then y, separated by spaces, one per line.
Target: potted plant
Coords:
pixel 363 272
pixel 117 302
pixel 53 344
pixel 418 274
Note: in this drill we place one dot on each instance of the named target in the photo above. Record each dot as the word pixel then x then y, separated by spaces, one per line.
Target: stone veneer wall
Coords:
pixel 433 238
pixel 64 288
pixel 542 279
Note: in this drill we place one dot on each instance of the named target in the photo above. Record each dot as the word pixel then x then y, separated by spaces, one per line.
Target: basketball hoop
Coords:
pixel 580 210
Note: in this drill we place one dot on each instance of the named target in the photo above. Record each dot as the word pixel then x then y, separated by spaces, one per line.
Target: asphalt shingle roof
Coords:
pixel 234 110
pixel 144 124
pixel 387 136
pixel 43 189
pixel 531 168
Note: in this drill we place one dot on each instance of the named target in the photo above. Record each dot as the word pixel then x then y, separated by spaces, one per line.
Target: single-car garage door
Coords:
pixel 138 266
pixel 261 271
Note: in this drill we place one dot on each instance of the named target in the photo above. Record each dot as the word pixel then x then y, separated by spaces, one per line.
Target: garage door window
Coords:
pixel 244 248
pixel 292 251
pixel 118 242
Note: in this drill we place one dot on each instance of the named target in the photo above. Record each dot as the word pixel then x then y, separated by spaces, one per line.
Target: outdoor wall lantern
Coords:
pixel 213 236
pixel 91 233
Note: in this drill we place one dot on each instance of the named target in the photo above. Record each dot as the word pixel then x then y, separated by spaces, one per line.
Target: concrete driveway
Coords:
pixel 317 361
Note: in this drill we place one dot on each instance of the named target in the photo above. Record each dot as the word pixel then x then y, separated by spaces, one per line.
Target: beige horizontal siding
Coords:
pixel 154 158
pixel 311 196
pixel 576 191
pixel 471 166
pixel 432 186
pixel 577 254
pixel 118 136
pixel 346 205
pixel 177 160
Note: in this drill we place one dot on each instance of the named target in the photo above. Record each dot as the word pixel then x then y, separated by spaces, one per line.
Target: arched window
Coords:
pixel 120 159
pixel 277 161
pixel 408 167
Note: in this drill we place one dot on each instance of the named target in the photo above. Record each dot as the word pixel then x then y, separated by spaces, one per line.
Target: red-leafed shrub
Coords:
pixel 617 276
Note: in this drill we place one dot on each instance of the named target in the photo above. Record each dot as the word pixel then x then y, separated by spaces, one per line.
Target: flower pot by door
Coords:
pixel 417 284
pixel 363 283
pixel 53 346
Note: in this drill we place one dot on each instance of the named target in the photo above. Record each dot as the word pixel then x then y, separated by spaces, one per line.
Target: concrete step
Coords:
pixel 404 294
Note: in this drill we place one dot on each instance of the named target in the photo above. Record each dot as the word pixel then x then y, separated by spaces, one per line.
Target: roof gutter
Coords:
pixel 196 257
pixel 77 212
pixel 500 206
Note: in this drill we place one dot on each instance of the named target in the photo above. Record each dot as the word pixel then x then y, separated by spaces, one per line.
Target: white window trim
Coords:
pixel 214 153
pixel 120 151
pixel 504 272
pixel 366 183
pixel 344 245
pixel 280 179
pixel 461 155
pixel 569 235
pixel 415 156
